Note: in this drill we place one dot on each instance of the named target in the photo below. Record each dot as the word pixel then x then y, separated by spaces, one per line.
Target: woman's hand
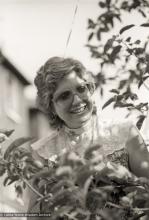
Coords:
pixel 138 153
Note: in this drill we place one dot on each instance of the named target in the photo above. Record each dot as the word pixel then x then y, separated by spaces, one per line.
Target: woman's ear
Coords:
pixel 55 118
pixel 91 86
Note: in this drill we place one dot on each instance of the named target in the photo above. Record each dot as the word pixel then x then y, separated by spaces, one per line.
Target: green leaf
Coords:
pixel 133 96
pixel 15 144
pixel 73 159
pixel 90 150
pixel 142 13
pixel 140 121
pixel 29 171
pixel 96 199
pixel 101 92
pixel 108 102
pixel 123 105
pixel 126 28
pixel 90 36
pixel 36 163
pixel 25 154
pixel 6 180
pixel 147 68
pixel 140 83
pixel 102 4
pixel 145 77
pixel 7 132
pixel 65 183
pixel 122 84
pixel 24 185
pixel 137 42
pixel 118 16
pixel 83 174
pixel 114 53
pixel 64 171
pixel 44 173
pixel 110 21
pixel 114 91
pixel 139 50
pixel 91 24
pixel 99 34
pixel 108 44
pixel 145 25
pixel 19 190
pixel 125 201
pixel 128 39
pixel 134 187
pixel 13 179
pixel 2 170
pixel 108 2
pixel 63 198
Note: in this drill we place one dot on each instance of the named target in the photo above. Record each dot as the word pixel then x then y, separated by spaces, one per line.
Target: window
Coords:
pixel 12 98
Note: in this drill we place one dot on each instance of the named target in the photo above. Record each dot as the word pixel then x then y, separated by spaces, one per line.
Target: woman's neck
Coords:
pixel 79 129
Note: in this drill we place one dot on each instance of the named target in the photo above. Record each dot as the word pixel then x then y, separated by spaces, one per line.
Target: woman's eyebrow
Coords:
pixel 81 84
pixel 69 89
pixel 61 92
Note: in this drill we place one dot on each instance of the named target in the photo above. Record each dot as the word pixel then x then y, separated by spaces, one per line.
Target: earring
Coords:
pixel 94 109
pixel 53 116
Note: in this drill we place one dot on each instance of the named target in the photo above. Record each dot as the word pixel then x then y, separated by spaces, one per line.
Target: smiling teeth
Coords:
pixel 78 109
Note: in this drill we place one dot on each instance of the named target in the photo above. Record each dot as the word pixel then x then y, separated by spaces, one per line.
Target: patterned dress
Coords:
pixel 111 136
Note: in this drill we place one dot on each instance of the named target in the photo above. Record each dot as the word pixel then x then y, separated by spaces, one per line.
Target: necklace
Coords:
pixel 79 139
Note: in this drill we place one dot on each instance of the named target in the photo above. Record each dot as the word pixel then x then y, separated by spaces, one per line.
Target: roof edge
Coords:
pixel 5 61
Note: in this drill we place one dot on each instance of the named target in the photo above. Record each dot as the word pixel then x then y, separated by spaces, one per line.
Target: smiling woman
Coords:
pixel 65 88
pixel 65 94
pixel 72 101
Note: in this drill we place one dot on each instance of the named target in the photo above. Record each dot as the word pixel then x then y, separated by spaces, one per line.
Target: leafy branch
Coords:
pixel 77 188
pixel 119 53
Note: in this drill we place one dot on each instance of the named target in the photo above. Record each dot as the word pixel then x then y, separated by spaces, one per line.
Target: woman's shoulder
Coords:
pixel 46 146
pixel 117 126
pixel 113 134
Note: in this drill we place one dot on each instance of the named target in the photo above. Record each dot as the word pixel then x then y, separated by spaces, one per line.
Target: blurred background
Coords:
pixel 31 31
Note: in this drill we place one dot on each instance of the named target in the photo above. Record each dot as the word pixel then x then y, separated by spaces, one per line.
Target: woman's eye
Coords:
pixel 64 96
pixel 82 89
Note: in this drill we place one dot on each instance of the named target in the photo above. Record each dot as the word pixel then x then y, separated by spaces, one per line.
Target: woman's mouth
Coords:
pixel 78 109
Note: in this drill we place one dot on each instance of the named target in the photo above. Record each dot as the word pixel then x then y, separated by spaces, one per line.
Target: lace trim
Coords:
pixel 119 156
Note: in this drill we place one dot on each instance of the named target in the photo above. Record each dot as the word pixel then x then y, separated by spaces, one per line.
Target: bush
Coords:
pixel 70 187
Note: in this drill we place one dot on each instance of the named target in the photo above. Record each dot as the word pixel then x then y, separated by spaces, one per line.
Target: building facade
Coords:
pixel 14 114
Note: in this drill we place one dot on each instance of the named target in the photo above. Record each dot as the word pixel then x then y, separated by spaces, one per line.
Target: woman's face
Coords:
pixel 73 101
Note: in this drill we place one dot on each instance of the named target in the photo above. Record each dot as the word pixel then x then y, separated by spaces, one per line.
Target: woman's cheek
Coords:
pixel 89 103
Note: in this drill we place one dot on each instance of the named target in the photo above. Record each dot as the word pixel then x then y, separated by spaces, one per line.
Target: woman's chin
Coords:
pixel 78 118
pixel 81 118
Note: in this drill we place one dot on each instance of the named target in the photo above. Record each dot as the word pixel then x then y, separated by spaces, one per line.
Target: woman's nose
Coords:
pixel 76 99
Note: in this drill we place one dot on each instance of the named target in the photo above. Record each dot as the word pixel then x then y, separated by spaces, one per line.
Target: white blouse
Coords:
pixel 111 136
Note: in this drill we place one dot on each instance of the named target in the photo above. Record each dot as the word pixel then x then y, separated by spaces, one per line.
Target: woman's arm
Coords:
pixel 138 153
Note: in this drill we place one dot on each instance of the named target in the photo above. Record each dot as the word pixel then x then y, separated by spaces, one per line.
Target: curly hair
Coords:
pixel 47 78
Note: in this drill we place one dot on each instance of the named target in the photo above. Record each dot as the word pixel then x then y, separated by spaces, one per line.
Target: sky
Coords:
pixel 33 31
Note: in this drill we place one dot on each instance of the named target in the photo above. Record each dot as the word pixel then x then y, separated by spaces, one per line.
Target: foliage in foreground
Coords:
pixel 74 188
